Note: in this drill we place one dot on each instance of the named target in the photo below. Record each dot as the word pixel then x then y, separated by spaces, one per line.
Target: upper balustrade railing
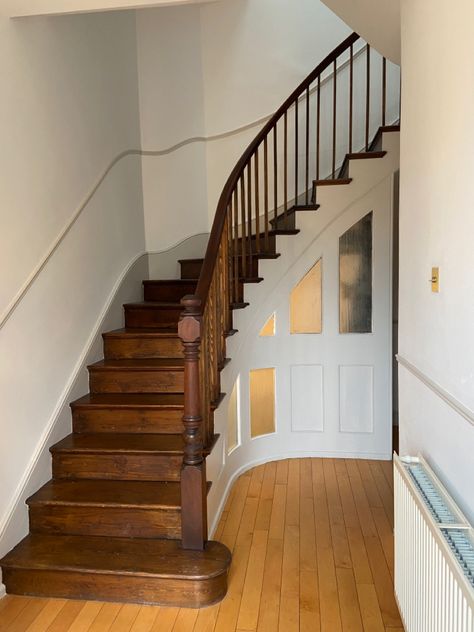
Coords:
pixel 333 112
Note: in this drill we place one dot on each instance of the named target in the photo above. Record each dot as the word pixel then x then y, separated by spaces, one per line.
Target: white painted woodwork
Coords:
pixel 307 398
pixel 298 428
pixel 356 398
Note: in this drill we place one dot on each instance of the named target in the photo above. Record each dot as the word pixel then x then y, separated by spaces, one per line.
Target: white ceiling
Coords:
pixel 377 21
pixel 22 8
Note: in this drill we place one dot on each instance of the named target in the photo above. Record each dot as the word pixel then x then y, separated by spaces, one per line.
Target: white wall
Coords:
pixel 69 106
pixel 255 53
pixel 377 22
pixel 205 71
pixel 172 110
pixel 436 229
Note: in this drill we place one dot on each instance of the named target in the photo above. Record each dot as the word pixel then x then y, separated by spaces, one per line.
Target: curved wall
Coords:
pixel 372 188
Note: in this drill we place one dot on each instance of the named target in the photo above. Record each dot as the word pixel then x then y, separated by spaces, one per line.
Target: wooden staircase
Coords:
pixel 125 516
pixel 108 525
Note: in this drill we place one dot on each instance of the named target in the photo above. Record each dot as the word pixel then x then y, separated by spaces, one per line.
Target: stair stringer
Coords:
pixel 340 207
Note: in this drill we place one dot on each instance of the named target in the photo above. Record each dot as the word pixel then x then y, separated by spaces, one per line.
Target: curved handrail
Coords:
pixel 241 235
pixel 212 250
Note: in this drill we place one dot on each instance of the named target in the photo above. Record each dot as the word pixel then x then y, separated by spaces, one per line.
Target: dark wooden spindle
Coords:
pixel 318 121
pixel 275 173
pixel 257 204
pixel 384 89
pixel 306 188
pixel 193 471
pixel 334 100
pixel 230 260
pixel 265 189
pixel 296 151
pixel 249 215
pixel 367 101
pixel 236 244
pixel 285 165
pixel 351 93
pixel 243 220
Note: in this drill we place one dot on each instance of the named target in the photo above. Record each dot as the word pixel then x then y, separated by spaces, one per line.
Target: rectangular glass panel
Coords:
pixel 269 327
pixel 306 304
pixel 233 419
pixel 355 278
pixel 262 402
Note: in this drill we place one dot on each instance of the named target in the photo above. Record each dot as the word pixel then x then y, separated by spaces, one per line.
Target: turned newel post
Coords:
pixel 193 472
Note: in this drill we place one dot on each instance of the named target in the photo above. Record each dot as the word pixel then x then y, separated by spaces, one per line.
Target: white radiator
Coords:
pixel 434 553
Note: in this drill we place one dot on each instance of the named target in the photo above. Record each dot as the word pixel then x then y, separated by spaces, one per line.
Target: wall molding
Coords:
pixel 141 153
pixel 441 392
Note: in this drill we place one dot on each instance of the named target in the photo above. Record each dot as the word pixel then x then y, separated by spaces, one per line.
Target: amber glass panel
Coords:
pixel 233 419
pixel 262 402
pixel 269 327
pixel 306 304
pixel 355 278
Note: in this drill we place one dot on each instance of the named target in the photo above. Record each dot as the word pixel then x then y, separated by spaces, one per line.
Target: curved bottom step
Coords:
pixel 117 569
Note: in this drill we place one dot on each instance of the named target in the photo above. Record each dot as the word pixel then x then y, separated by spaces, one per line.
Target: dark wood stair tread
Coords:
pixel 273 232
pixel 104 493
pixel 169 281
pixel 145 332
pixel 383 129
pixel 242 305
pixel 130 400
pixel 139 364
pixel 332 181
pixel 251 279
pixel 292 211
pixel 154 305
pixel 361 155
pixel 125 556
pixel 118 442
pixel 364 155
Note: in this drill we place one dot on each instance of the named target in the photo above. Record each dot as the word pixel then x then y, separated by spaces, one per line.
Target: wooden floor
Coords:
pixel 312 550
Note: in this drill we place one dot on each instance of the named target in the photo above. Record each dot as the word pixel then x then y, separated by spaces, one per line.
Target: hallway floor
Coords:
pixel 312 547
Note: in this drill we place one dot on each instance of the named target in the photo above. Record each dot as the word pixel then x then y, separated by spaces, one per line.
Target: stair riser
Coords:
pixel 108 521
pixel 123 467
pixel 118 588
pixel 167 292
pixel 105 381
pixel 127 420
pixel 285 224
pixel 251 267
pixel 148 317
pixel 262 246
pixel 118 348
pixel 190 269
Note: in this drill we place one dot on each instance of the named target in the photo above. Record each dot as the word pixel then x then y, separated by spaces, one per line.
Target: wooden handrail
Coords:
pixel 205 277
pixel 266 173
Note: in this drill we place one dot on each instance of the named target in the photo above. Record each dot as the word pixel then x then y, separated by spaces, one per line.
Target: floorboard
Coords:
pixel 312 545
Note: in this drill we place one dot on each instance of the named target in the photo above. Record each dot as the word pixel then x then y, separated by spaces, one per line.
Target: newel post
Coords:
pixel 193 472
